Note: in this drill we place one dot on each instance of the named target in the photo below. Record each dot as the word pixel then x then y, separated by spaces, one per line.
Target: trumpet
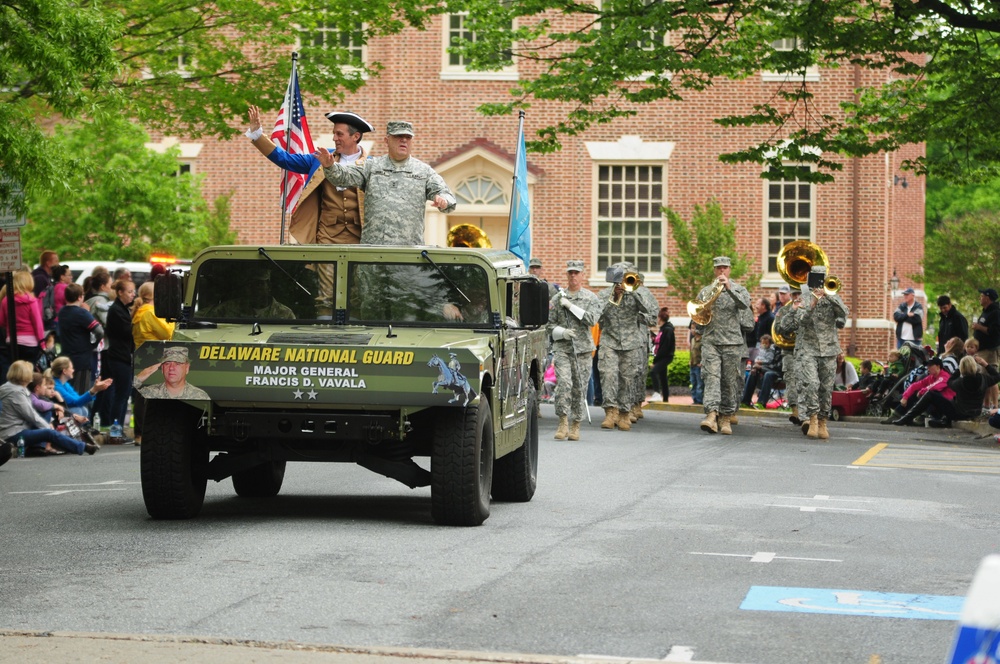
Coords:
pixel 630 281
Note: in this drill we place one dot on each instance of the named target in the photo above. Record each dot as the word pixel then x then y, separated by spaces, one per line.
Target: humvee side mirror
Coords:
pixel 168 296
pixel 534 300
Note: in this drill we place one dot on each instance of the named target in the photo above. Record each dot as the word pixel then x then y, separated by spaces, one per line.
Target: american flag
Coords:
pixel 299 138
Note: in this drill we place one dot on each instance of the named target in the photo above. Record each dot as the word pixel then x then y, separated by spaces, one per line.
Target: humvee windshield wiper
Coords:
pixel 446 277
pixel 263 252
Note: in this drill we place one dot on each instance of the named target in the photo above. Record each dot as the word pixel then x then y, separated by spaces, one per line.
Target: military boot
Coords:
pixel 624 421
pixel 724 424
pixel 563 430
pixel 824 433
pixel 574 431
pixel 794 417
pixel 637 412
pixel 813 430
pixel 610 418
pixel 710 423
pixel 732 420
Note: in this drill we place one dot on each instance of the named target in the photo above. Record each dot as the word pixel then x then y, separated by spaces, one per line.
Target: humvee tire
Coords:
pixel 263 481
pixel 462 466
pixel 515 475
pixel 172 467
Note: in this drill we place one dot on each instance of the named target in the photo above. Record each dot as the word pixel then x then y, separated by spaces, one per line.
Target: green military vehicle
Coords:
pixel 370 355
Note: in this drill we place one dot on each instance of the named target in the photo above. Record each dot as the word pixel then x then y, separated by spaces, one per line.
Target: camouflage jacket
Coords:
pixel 729 321
pixel 625 326
pixel 395 197
pixel 816 327
pixel 559 316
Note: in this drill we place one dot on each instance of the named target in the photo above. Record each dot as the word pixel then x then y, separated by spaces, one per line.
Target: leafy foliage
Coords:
pixel 962 256
pixel 187 67
pixel 121 200
pixel 604 60
pixel 706 236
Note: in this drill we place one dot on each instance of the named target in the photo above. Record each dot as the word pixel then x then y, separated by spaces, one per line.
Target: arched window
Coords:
pixel 481 190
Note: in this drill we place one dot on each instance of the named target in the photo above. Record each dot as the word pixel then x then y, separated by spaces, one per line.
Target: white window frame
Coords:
pixel 334 34
pixel 450 72
pixel 771 278
pixel 629 151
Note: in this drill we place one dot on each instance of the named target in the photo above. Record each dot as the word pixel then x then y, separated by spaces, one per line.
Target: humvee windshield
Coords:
pixel 398 293
pixel 255 290
pixel 377 293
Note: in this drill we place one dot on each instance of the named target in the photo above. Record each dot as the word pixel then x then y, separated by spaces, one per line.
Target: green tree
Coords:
pixel 189 67
pixel 706 236
pixel 962 256
pixel 126 200
pixel 605 60
pixel 57 60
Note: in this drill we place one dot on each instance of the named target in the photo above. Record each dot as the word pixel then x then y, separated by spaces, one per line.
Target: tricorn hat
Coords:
pixel 352 119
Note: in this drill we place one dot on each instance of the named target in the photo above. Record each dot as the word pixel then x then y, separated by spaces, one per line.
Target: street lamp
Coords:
pixel 894 282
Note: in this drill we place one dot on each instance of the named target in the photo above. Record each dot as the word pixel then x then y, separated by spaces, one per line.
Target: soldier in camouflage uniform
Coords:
pixel 175 365
pixel 253 299
pixel 572 313
pixel 396 187
pixel 783 325
pixel 817 344
pixel 624 350
pixel 723 345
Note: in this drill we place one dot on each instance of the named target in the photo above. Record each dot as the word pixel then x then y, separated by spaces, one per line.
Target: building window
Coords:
pixel 790 207
pixel 326 35
pixel 629 220
pixel 479 190
pixel 455 65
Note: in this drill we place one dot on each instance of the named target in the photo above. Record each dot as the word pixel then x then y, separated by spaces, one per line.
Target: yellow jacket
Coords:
pixel 147 327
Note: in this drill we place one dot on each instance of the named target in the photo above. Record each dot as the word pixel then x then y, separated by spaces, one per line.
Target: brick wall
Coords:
pixel 866 225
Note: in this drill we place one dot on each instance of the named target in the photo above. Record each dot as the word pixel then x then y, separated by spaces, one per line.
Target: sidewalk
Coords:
pixel 19 647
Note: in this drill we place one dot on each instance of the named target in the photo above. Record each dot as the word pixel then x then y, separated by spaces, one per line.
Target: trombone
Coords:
pixel 630 281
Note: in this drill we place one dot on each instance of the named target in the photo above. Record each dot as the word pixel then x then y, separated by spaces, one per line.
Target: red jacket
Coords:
pixel 931 383
pixel 28 311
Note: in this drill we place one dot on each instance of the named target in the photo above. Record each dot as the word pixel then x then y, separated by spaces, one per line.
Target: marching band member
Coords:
pixel 723 347
pixel 785 325
pixel 624 349
pixel 572 312
pixel 817 344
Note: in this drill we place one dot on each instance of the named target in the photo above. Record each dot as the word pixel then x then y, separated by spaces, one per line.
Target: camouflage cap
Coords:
pixel 721 261
pixel 175 354
pixel 399 128
pixel 574 266
pixel 535 262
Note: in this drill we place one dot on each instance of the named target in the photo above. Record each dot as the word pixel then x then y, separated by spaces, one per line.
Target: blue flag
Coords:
pixel 519 240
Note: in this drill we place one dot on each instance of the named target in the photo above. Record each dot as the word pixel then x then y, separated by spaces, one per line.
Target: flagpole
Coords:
pixel 288 132
pixel 513 199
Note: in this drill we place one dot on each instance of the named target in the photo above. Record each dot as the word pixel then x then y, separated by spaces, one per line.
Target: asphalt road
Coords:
pixel 663 543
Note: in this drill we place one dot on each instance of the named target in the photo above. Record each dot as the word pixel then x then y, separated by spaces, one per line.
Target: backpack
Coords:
pixel 48 300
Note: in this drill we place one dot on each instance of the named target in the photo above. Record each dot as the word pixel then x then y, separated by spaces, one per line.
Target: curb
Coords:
pixel 980 428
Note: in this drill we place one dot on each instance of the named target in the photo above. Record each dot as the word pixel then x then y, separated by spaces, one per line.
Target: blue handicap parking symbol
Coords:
pixel 853 603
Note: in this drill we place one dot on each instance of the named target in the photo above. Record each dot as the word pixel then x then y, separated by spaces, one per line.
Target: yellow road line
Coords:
pixel 867 456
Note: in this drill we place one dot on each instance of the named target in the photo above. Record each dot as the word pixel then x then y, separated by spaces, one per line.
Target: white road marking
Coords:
pixel 764 557
pixel 809 508
pixel 679 654
pixel 60 492
pixel 98 483
pixel 837 465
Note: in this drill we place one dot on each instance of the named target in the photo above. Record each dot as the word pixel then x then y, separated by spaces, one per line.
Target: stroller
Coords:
pixel 888 391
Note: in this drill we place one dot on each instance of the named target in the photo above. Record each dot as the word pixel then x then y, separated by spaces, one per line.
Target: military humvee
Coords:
pixel 362 354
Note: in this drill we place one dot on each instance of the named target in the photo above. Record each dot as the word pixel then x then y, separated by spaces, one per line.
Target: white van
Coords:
pixel 139 269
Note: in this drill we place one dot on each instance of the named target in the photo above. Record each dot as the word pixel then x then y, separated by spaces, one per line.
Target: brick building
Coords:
pixel 869 222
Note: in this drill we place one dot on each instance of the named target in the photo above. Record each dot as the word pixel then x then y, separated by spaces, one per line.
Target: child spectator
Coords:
pixel 868 380
pixel 38 393
pixel 549 386
pixel 895 367
pixel 62 372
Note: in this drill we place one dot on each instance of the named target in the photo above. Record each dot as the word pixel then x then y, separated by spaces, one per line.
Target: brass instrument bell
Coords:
pixel 467 235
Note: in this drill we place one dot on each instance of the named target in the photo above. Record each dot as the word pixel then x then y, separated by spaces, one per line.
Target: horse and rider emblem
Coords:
pixel 450 377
